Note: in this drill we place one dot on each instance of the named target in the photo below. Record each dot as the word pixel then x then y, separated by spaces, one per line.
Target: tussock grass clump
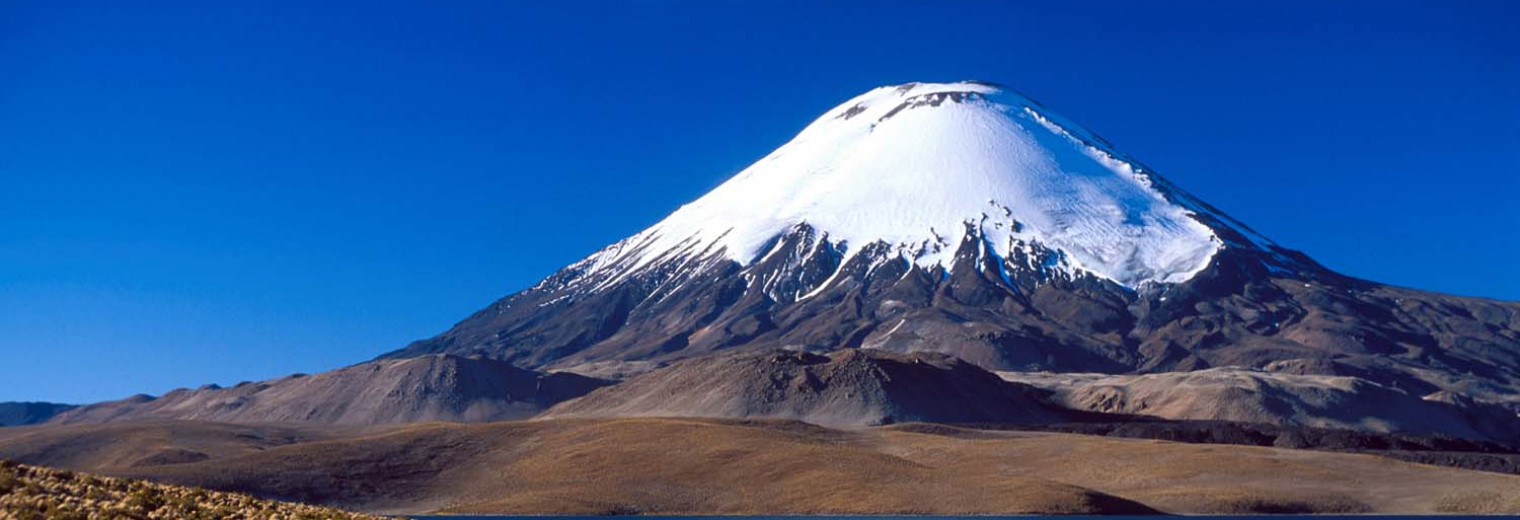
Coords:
pixel 37 493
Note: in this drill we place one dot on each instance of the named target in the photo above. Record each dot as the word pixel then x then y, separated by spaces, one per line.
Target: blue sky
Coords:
pixel 196 192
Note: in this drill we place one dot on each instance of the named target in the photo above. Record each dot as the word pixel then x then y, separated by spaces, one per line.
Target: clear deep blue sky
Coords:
pixel 208 192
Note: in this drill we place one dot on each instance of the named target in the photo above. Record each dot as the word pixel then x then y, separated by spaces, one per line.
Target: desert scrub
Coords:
pixel 36 493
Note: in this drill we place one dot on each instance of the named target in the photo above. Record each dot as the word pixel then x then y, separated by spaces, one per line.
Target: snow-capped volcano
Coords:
pixel 915 166
pixel 966 219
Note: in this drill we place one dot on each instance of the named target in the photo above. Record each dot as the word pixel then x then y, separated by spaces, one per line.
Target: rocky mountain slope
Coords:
pixel 844 388
pixel 427 388
pixel 967 219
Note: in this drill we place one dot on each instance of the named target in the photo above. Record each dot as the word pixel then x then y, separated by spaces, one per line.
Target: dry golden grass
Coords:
pixel 695 466
pixel 30 492
pixel 1482 502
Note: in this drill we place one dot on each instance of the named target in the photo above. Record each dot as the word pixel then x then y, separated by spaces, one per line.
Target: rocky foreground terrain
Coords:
pixel 30 492
pixel 704 466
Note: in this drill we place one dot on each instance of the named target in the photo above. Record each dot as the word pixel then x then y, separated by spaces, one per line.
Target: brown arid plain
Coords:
pixel 698 466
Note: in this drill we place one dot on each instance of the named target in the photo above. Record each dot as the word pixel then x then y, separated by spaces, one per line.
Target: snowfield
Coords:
pixel 921 165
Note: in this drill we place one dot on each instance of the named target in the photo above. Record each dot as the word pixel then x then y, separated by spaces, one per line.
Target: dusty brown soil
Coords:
pixel 692 466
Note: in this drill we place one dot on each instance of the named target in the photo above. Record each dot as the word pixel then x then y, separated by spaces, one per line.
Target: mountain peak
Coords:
pixel 919 167
pixel 965 219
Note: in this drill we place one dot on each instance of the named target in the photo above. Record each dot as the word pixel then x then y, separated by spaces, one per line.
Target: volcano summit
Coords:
pixel 907 172
pixel 967 219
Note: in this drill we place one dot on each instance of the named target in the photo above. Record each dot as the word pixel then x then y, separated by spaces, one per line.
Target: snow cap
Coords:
pixel 917 167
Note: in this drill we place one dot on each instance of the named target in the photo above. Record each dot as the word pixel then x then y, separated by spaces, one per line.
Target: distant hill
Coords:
pixel 428 388
pixel 24 413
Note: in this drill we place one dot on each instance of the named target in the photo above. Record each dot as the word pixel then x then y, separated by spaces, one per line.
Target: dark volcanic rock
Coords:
pixel 428 388
pixel 844 388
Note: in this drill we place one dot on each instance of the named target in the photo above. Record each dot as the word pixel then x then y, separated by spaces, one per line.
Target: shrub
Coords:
pixel 146 500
